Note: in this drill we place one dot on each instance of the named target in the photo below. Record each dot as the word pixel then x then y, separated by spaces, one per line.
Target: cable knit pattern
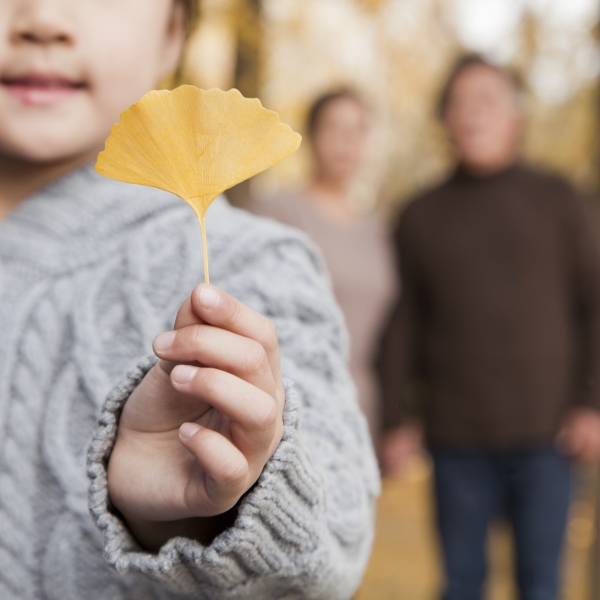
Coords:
pixel 90 271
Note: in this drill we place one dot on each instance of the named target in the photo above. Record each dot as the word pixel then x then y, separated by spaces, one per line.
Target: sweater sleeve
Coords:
pixel 585 268
pixel 400 358
pixel 305 529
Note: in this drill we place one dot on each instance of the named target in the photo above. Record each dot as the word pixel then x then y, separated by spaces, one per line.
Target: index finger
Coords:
pixel 217 308
pixel 186 315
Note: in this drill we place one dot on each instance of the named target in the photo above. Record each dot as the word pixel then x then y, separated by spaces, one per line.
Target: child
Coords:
pixel 208 475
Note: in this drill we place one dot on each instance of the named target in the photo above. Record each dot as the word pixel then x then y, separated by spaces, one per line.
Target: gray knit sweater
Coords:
pixel 90 271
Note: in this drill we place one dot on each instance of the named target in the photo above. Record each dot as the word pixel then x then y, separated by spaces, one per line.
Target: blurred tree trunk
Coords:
pixel 249 34
pixel 595 570
pixel 596 32
pixel 248 73
pixel 595 562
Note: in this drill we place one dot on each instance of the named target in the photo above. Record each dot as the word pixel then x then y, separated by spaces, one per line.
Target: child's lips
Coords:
pixel 41 90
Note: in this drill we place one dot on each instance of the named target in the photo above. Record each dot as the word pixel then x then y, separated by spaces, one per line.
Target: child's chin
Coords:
pixel 44 152
pixel 40 137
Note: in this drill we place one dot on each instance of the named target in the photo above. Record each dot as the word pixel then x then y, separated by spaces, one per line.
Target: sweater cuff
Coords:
pixel 279 531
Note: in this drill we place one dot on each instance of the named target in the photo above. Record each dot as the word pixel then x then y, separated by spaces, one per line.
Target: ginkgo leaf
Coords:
pixel 195 144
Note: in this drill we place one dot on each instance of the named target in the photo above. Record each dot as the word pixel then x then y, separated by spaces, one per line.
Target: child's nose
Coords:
pixel 42 22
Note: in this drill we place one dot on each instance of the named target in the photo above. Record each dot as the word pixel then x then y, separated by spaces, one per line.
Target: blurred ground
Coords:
pixel 405 566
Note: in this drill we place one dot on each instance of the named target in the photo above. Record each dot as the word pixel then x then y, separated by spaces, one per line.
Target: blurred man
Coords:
pixel 499 325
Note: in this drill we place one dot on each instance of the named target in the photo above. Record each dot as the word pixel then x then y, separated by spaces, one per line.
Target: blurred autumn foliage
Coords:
pixel 396 53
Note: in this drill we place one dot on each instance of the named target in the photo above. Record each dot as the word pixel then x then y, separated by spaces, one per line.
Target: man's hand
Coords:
pixel 400 446
pixel 579 436
pixel 197 432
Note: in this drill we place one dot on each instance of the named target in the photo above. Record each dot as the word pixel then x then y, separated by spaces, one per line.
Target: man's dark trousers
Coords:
pixel 473 488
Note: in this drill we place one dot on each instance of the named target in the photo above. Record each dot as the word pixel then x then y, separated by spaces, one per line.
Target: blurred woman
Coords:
pixel 355 245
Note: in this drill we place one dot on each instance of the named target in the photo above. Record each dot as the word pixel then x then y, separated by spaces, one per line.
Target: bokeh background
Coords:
pixel 396 53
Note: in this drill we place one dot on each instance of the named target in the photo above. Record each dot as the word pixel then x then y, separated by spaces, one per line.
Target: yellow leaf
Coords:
pixel 195 144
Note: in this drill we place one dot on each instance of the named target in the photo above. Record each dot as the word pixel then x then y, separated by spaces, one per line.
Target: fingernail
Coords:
pixel 208 296
pixel 187 430
pixel 183 374
pixel 163 341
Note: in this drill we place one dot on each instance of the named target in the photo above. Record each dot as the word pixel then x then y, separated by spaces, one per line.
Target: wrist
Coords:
pixel 152 535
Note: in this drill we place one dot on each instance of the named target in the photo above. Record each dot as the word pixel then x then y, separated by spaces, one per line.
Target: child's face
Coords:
pixel 68 68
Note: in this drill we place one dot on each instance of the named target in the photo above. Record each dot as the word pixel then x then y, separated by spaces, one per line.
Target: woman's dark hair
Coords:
pixel 321 102
pixel 466 62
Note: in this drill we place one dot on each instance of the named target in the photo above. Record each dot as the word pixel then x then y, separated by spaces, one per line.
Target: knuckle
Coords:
pixel 200 443
pixel 255 357
pixel 264 415
pixel 233 473
pixel 236 312
pixel 270 339
pixel 208 380
pixel 197 336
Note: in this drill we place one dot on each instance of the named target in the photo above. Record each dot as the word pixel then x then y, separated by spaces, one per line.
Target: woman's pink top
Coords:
pixel 361 261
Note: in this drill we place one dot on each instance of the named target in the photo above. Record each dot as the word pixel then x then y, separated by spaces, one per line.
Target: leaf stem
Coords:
pixel 201 219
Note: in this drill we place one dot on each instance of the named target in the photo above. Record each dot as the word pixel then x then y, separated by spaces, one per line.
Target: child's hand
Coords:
pixel 194 437
pixel 579 436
